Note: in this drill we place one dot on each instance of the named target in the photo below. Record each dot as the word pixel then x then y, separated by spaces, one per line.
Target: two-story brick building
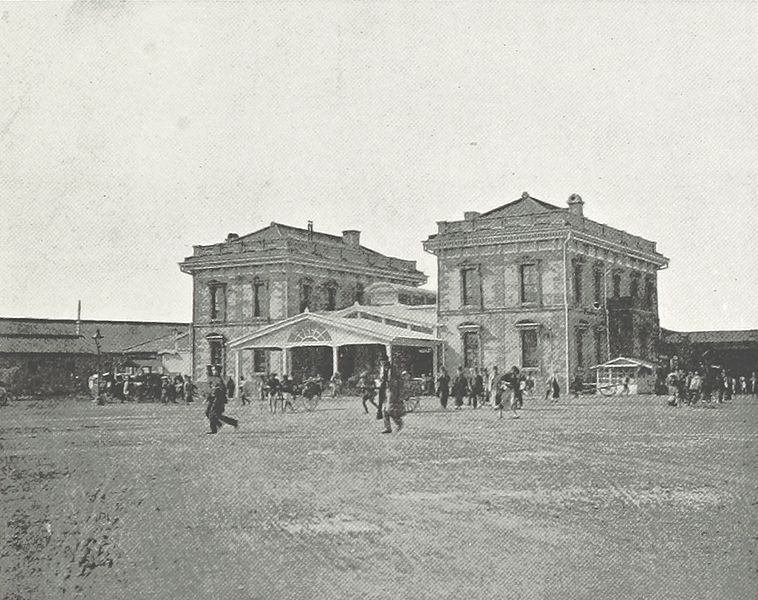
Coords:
pixel 251 282
pixel 544 288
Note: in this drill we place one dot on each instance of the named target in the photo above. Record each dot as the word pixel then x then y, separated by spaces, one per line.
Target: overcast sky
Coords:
pixel 131 131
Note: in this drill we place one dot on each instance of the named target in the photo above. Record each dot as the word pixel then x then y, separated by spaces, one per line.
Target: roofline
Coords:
pixel 507 204
pixel 85 321
pixel 238 343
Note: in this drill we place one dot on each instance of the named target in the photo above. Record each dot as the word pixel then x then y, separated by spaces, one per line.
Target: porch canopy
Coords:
pixel 304 342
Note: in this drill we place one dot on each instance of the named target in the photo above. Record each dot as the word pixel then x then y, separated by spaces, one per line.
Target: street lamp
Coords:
pixel 97 337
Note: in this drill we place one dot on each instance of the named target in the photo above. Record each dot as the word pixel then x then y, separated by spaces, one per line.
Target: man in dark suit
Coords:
pixel 217 403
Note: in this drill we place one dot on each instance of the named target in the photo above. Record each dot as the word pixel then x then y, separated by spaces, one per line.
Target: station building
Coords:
pixel 283 299
pixel 544 288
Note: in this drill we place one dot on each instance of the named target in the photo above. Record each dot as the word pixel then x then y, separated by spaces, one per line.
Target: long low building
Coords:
pixel 50 356
pixel 734 350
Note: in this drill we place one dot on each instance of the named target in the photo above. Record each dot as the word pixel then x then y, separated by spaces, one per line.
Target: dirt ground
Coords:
pixel 589 498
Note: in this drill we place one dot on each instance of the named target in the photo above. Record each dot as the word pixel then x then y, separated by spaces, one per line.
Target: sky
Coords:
pixel 130 132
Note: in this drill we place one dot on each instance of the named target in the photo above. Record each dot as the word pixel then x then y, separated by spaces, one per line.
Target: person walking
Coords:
pixel 189 390
pixel 393 409
pixel 460 388
pixel 553 389
pixel 385 375
pixel 477 387
pixel 443 387
pixel 367 390
pixel 217 405
pixel 754 385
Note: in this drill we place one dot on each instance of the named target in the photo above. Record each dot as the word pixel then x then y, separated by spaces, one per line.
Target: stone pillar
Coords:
pixel 237 372
pixel 285 361
pixel 335 359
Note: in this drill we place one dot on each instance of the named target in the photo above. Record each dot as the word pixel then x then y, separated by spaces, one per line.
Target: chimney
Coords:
pixel 576 205
pixel 351 237
pixel 79 318
pixel 310 230
pixel 470 215
pixel 231 237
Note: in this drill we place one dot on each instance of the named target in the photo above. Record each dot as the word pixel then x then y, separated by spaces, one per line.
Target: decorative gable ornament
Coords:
pixel 309 332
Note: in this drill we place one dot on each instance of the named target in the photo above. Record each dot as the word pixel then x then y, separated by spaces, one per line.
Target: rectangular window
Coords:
pixel 470 349
pixel 529 284
pixel 359 293
pixel 634 286
pixel 331 297
pixel 578 272
pixel 529 357
pixel 648 292
pixel 470 287
pixel 216 348
pixel 259 361
pixel 599 342
pixel 258 291
pixel 305 296
pixel 616 285
pixel 580 347
pixel 218 302
pixel 598 281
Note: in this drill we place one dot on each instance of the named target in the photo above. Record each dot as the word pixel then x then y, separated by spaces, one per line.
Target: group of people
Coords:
pixel 707 385
pixel 481 387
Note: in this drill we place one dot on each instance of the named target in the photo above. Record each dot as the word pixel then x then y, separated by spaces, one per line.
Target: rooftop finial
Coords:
pixel 524 195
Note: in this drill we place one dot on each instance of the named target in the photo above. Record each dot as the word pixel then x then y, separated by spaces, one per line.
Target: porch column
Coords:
pixel 285 361
pixel 335 359
pixel 388 350
pixel 435 360
pixel 237 372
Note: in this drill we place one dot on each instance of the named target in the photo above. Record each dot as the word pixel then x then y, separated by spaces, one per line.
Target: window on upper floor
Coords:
pixel 649 292
pixel 306 291
pixel 616 285
pixel 528 284
pixel 471 289
pixel 597 276
pixel 634 286
pixel 259 291
pixel 359 293
pixel 578 276
pixel 218 301
pixel 331 296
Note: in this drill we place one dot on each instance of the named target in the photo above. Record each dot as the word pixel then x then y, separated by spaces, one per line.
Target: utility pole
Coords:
pixel 98 399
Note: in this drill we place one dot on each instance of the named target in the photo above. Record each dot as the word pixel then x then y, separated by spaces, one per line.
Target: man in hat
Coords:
pixel 385 376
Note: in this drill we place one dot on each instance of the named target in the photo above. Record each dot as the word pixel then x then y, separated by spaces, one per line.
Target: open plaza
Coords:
pixel 590 497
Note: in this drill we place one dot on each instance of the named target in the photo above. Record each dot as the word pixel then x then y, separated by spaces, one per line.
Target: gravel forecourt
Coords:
pixel 588 498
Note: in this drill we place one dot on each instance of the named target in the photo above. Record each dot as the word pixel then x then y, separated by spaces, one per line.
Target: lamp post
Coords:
pixel 97 337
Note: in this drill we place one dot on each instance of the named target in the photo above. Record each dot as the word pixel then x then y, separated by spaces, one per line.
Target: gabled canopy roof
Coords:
pixel 423 315
pixel 319 329
pixel 622 362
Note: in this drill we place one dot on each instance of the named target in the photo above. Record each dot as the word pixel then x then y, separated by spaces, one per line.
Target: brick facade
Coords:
pixel 290 268
pixel 529 270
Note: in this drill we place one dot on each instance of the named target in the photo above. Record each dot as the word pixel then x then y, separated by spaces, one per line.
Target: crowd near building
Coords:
pixel 527 284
